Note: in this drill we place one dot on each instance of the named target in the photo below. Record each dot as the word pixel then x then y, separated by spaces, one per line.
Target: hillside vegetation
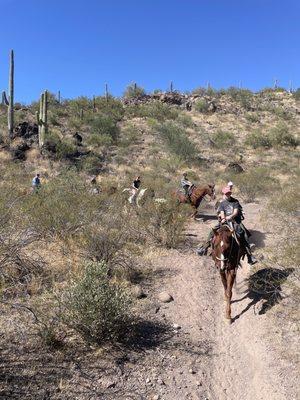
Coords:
pixel 72 260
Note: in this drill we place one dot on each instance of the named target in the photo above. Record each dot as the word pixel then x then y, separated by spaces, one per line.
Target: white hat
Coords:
pixel 230 183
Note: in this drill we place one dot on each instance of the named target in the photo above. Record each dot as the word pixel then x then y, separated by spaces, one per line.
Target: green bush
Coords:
pixel 243 96
pixel 158 110
pixel 95 306
pixel 97 140
pixel 252 117
pixel 280 136
pixel 254 183
pixel 111 107
pixel 223 138
pixel 257 139
pixel 201 106
pixel 176 140
pixel 105 125
pixel 61 208
pixel 133 91
pixel 186 121
pixel 164 223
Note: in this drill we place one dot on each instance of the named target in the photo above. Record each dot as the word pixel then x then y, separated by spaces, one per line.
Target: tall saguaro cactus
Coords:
pixel 42 118
pixel 9 102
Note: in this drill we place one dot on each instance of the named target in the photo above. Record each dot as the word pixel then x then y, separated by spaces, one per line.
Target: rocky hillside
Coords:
pixel 103 300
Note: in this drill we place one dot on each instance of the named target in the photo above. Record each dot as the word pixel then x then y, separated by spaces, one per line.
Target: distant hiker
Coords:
pixel 136 184
pixel 36 183
pixel 186 184
pixel 230 212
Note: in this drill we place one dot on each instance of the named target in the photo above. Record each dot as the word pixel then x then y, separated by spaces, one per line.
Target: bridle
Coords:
pixel 230 251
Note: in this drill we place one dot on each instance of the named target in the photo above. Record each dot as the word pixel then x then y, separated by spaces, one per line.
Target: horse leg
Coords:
pixel 224 281
pixel 230 280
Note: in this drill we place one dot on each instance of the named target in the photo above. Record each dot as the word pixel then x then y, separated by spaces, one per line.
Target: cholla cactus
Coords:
pixel 42 118
pixel 9 102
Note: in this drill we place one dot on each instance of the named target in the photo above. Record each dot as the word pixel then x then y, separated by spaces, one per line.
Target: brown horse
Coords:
pixel 226 253
pixel 197 195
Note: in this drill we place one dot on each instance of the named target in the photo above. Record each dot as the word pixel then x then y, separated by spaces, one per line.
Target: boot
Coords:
pixel 202 251
pixel 251 259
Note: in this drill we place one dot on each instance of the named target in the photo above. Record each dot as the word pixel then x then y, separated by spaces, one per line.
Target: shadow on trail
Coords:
pixel 258 238
pixel 265 285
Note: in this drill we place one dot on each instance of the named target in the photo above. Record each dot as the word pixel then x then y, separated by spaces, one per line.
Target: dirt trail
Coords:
pixel 241 363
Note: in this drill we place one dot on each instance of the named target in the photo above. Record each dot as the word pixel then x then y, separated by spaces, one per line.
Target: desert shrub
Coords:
pixel 61 208
pixel 186 121
pixel 223 139
pixel 242 96
pixel 252 117
pixel 281 113
pixel 65 149
pixel 104 125
pixel 95 306
pixel 280 136
pixel 176 140
pixel 111 107
pixel 92 164
pixel 133 91
pixel 108 241
pixel 296 94
pixel 130 134
pixel 201 106
pixel 163 223
pixel 258 139
pixel 158 111
pixel 255 182
pixel 97 140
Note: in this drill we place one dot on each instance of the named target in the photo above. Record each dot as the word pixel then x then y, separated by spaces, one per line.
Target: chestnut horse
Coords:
pixel 227 253
pixel 197 195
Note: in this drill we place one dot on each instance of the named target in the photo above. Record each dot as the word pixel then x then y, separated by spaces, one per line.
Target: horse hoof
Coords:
pixel 229 321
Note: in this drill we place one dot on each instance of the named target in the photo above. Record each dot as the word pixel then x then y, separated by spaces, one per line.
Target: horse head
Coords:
pixel 210 191
pixel 222 246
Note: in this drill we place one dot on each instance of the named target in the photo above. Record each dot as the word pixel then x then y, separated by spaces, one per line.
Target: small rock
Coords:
pixel 176 326
pixel 160 382
pixel 155 397
pixel 192 371
pixel 157 309
pixel 138 292
pixel 198 383
pixel 148 380
pixel 165 297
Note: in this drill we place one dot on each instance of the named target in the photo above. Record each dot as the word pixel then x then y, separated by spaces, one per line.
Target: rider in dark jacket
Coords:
pixel 230 211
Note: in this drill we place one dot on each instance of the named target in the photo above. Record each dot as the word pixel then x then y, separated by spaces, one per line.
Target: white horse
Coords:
pixel 138 197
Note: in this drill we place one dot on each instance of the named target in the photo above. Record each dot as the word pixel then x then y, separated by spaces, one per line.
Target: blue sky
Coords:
pixel 77 46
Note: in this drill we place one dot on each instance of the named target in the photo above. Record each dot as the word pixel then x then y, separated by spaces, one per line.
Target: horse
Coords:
pixel 197 195
pixel 140 197
pixel 227 253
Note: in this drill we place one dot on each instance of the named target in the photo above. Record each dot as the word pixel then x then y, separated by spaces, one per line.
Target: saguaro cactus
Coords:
pixel 171 86
pixel 9 102
pixel 106 92
pixel 42 118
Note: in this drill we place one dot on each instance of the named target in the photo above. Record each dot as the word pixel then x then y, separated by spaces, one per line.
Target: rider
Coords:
pixel 36 182
pixel 186 184
pixel 135 188
pixel 230 210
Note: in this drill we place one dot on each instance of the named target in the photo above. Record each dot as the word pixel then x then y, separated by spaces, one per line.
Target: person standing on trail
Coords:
pixel 186 184
pixel 230 212
pixel 36 183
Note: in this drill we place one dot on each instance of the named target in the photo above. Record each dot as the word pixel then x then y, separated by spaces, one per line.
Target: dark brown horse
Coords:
pixel 197 195
pixel 226 253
